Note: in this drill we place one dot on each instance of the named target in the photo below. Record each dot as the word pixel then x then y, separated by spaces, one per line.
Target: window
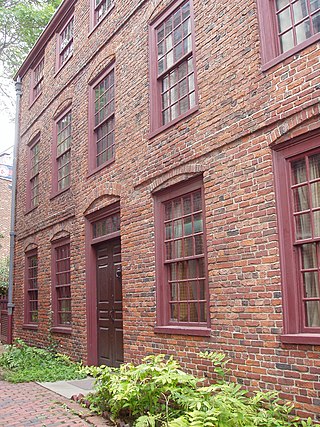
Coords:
pixel 37 80
pixel 182 290
pixel 33 183
pixel 172 67
pixel 31 297
pixel 298 198
pixel 287 26
pixel 65 43
pixel 101 9
pixel 63 153
pixel 102 148
pixel 61 293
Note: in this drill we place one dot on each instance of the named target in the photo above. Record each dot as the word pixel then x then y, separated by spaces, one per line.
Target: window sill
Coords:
pixel 290 52
pixel 62 66
pixel 183 330
pixel 309 339
pixel 55 194
pixel 30 210
pixel 34 100
pixel 31 326
pixel 93 171
pixel 97 24
pixel 61 329
pixel 155 132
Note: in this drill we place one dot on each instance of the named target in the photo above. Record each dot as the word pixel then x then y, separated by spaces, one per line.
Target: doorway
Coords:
pixel 109 303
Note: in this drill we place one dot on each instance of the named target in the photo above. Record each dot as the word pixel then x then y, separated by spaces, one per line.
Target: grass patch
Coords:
pixel 22 363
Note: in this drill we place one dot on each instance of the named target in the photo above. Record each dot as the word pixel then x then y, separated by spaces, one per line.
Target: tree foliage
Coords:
pixel 21 23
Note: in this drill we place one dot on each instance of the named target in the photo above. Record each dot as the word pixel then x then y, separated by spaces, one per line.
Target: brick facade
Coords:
pixel 5 215
pixel 243 113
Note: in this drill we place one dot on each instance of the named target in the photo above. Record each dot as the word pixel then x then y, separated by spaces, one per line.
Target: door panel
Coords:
pixel 109 303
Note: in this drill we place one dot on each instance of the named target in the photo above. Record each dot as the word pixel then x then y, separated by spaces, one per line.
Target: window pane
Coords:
pixel 177 208
pixel 303 226
pixel 168 211
pixel 284 20
pixel 198 244
pixel 300 10
pixel 300 196
pixel 309 256
pixel 188 225
pixel 313 313
pixel 316 23
pixel 314 5
pixel 188 246
pixel 303 31
pixel 198 223
pixel 311 284
pixel 174 292
pixel 286 41
pixel 281 3
pixel 314 165
pixel 177 226
pixel 316 219
pixel 315 194
pixel 173 312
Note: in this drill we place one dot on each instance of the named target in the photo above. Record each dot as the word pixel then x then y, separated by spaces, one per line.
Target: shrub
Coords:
pixel 158 392
pixel 22 363
pixel 4 275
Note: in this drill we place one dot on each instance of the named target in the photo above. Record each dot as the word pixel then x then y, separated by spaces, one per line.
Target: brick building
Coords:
pixel 168 187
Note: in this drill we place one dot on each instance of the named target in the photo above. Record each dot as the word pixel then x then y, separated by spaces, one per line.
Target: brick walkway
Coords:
pixel 29 404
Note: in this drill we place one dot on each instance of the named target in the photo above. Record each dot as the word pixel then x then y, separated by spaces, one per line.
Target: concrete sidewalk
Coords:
pixel 70 388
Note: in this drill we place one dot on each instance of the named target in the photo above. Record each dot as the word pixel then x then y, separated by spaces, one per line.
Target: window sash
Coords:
pixel 104 112
pixel 62 285
pixel 66 42
pixel 296 21
pixel 304 181
pixel 101 8
pixel 172 66
pixel 63 148
pixel 32 289
pixel 38 78
pixel 184 262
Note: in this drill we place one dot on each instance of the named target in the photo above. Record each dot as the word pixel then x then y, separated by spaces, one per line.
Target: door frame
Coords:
pixel 91 276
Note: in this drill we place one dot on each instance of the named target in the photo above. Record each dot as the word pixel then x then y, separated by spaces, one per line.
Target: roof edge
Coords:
pixel 44 37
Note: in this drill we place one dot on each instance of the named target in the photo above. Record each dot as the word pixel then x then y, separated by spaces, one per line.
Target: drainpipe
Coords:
pixel 10 306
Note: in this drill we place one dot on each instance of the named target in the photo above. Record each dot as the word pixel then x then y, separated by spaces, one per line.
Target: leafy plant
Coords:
pixel 22 363
pixel 4 275
pixel 159 393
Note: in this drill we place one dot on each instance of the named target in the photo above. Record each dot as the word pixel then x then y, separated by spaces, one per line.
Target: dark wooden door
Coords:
pixel 109 303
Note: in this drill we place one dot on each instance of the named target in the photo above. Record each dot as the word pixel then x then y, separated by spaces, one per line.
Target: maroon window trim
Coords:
pixel 102 120
pixel 182 283
pixel 36 82
pixel 62 153
pixel 32 190
pixel 270 31
pixel 298 210
pixel 65 43
pixel 174 89
pixel 61 286
pixel 31 290
pixel 99 10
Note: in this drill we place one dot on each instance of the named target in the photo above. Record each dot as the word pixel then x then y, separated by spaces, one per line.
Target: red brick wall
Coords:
pixel 242 110
pixel 5 214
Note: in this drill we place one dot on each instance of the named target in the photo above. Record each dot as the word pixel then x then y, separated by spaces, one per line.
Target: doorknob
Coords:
pixel 111 315
pixel 119 272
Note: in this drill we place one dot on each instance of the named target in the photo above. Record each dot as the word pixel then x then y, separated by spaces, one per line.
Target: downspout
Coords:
pixel 10 306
